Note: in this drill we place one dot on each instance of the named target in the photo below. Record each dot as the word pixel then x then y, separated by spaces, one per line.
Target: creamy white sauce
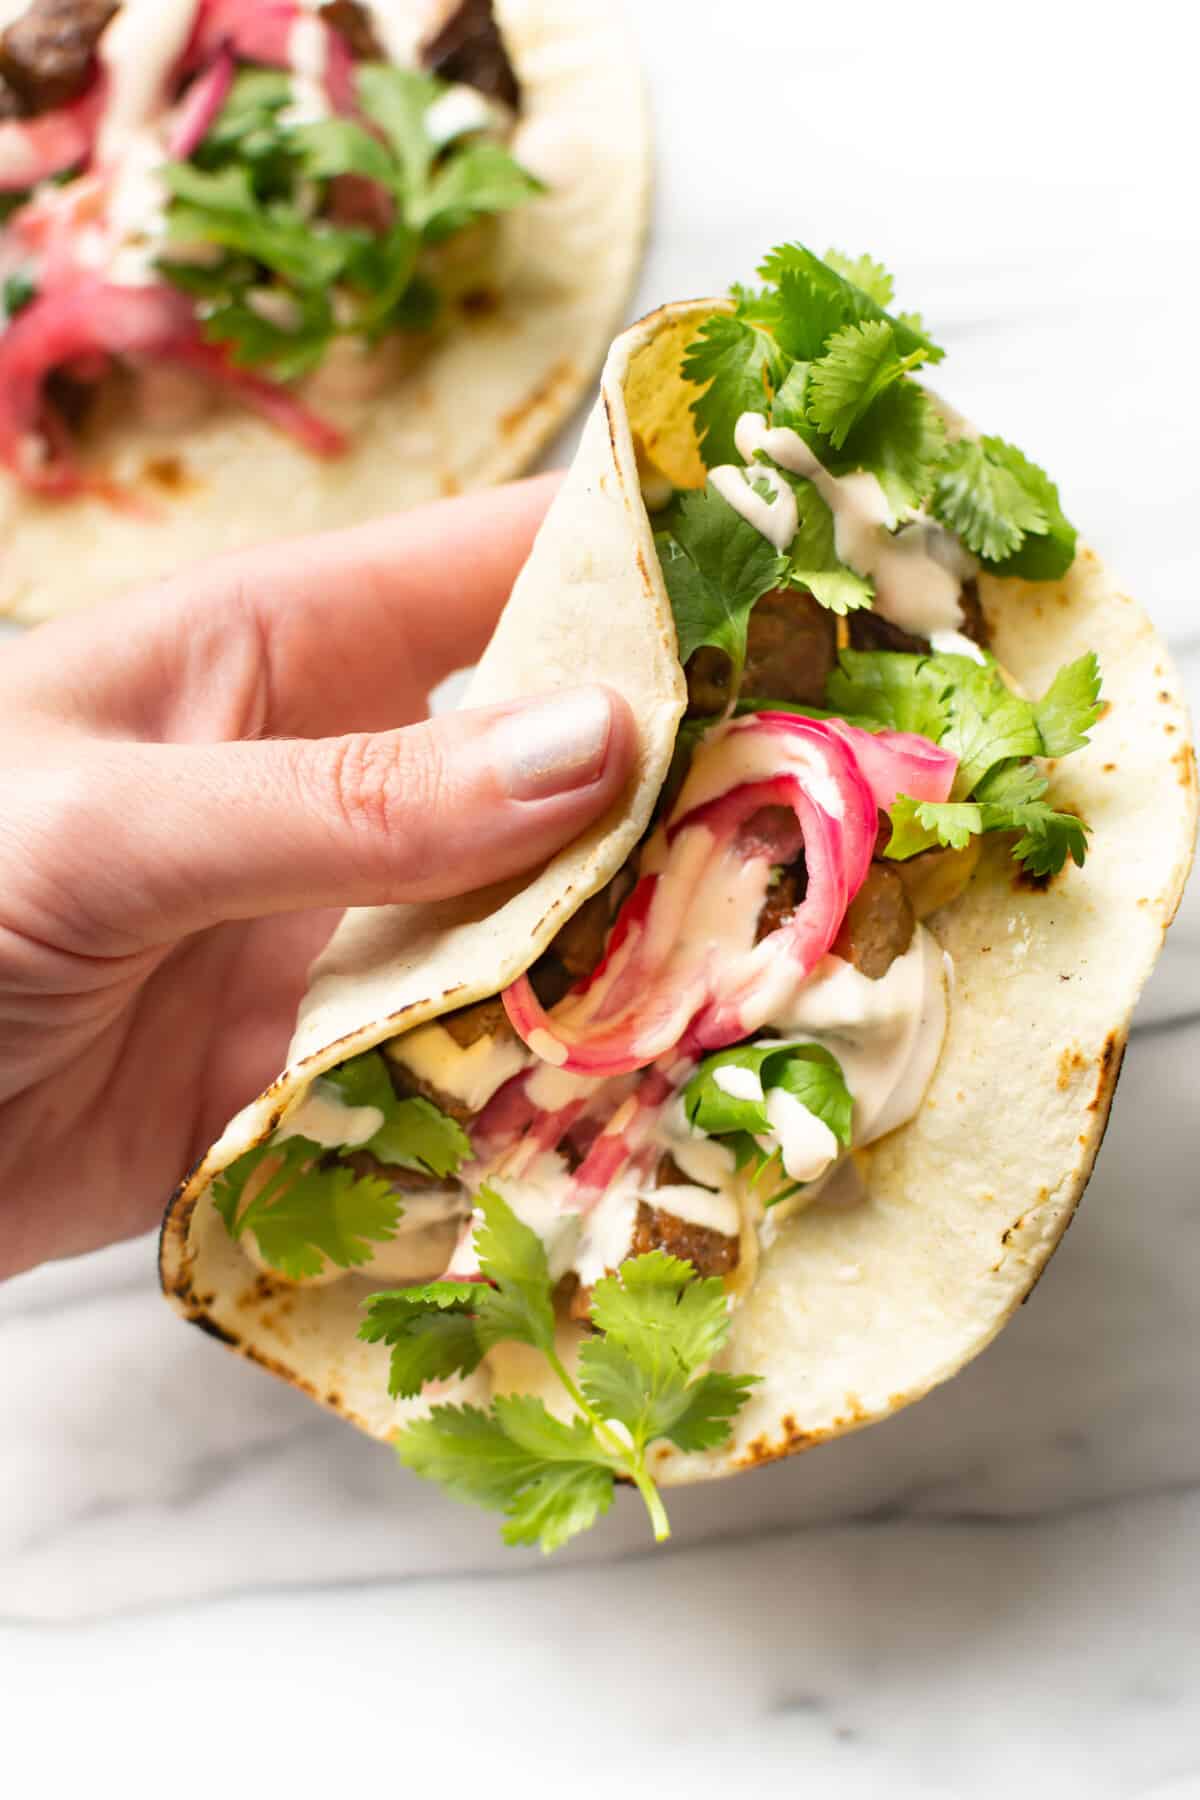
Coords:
pixel 738 1083
pixel 458 111
pixel 324 1118
pixel 776 518
pixel 307 45
pixel 887 1034
pixel 917 571
pixel 471 1074
pixel 806 1144
pixel 953 643
pixel 138 52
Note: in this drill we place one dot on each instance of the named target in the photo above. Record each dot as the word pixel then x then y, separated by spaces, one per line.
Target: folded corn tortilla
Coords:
pixel 855 1310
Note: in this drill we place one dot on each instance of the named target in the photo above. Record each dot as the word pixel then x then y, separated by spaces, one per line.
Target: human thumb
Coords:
pixel 174 837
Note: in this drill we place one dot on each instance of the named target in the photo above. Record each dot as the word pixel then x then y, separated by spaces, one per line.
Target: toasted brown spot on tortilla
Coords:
pixel 1069 1063
pixel 449 486
pixel 1109 1067
pixel 561 375
pixel 1105 709
pixel 204 1323
pixel 1108 767
pixel 478 303
pixel 169 473
pixel 1025 880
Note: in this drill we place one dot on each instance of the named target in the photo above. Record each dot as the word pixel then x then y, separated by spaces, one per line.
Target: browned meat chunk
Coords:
pixel 468 47
pixel 790 648
pixel 974 625
pixel 791 643
pixel 871 631
pixel 708 673
pixel 353 24
pixel 709 1252
pixel 484 1018
pixel 879 923
pixel 936 877
pixel 363 1163
pixel 784 895
pixel 580 944
pixel 407 1085
pixel 46 54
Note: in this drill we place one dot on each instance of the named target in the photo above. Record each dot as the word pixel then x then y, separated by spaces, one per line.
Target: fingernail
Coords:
pixel 553 746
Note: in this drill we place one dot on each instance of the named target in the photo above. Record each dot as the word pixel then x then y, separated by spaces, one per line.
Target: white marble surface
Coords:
pixel 203 1580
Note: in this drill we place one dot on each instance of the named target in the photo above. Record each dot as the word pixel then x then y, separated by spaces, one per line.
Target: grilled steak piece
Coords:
pixel 879 923
pixel 484 1018
pixel 46 54
pixel 791 644
pixel 974 625
pixel 784 895
pixel 355 27
pixel 709 1252
pixel 468 47
pixel 871 631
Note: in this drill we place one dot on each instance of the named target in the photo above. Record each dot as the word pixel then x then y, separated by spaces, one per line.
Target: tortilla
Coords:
pixel 856 1310
pixel 477 408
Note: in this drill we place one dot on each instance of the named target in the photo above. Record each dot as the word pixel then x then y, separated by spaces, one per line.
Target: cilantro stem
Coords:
pixel 629 1458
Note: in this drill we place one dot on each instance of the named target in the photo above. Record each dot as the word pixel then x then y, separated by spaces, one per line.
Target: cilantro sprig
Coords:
pixel 809 1072
pixel 967 708
pixel 287 278
pixel 715 566
pixel 304 1213
pixel 816 350
pixel 641 1379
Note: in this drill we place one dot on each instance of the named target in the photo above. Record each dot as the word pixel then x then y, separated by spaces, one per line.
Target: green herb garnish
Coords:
pixel 289 279
pixel 638 1381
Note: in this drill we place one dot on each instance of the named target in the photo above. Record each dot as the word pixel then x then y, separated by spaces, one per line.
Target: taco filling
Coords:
pixel 269 204
pixel 717 1038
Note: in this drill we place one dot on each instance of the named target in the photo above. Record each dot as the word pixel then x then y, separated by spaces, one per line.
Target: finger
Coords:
pixel 344 630
pixel 182 837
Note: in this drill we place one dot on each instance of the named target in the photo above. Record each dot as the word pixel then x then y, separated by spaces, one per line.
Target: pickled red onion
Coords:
pixel 658 990
pixel 33 150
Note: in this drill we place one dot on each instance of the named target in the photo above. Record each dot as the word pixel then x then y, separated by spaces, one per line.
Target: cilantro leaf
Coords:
pixel 256 341
pixel 660 1326
pixel 859 362
pixel 397 100
pixel 565 1499
pixel 415 1133
pixel 513 1258
pixel 479 179
pixel 980 498
pixel 820 284
pixel 303 1215
pixel 891 691
pixel 807 1071
pixel 553 1477
pixel 468 1452
pixel 739 365
pixel 715 566
pixel 1070 706
pixel 1047 554
pixel 711 1405
pixel 812 560
pixel 19 289
pixel 329 147
pixel 966 707
pixel 1047 838
pixel 431 1330
pixel 900 440
pixel 865 273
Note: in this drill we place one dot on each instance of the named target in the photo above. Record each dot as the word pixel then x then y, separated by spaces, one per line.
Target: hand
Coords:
pixel 177 796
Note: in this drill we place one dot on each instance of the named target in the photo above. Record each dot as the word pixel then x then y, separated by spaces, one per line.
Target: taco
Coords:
pixel 755 1113
pixel 280 265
